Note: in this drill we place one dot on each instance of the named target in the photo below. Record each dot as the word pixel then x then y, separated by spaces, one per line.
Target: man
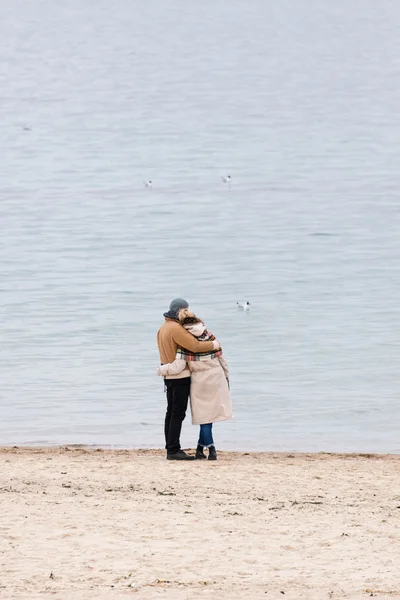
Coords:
pixel 169 337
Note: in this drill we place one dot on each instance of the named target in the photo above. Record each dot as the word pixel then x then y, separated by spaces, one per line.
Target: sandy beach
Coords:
pixel 82 524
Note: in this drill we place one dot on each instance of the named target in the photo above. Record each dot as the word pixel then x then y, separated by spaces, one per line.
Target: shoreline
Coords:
pixel 161 452
pixel 84 523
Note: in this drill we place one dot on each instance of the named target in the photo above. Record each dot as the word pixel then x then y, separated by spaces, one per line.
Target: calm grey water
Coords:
pixel 299 101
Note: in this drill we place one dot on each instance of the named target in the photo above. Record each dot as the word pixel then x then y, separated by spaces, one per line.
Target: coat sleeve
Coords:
pixel 186 340
pixel 172 368
pixel 224 365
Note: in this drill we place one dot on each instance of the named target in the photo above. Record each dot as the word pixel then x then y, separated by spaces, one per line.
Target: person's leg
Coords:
pixel 169 394
pixel 200 446
pixel 211 435
pixel 180 389
pixel 201 441
pixel 206 435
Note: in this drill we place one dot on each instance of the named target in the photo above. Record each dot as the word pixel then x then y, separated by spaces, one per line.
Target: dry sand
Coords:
pixel 86 524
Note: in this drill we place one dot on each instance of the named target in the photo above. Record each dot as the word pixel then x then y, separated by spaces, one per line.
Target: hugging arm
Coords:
pixel 186 340
pixel 172 368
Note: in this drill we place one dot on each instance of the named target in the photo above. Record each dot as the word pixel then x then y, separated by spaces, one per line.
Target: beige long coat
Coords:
pixel 210 400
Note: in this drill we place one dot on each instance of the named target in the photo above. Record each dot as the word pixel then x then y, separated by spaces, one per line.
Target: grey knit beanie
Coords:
pixel 177 304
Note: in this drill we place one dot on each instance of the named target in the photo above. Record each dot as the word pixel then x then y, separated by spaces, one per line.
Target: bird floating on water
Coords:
pixel 243 305
pixel 148 184
pixel 27 128
pixel 226 179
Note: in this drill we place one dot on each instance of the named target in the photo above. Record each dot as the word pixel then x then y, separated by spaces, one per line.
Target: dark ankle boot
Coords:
pixel 200 452
pixel 212 453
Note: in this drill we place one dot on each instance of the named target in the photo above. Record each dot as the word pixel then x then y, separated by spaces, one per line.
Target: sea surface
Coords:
pixel 299 101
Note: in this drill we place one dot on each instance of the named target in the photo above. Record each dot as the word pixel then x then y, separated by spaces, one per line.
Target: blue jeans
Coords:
pixel 206 438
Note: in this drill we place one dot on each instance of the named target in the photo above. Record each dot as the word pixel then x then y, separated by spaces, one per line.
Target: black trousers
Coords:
pixel 178 391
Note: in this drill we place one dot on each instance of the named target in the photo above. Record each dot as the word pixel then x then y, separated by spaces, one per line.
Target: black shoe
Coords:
pixel 200 452
pixel 212 453
pixel 180 455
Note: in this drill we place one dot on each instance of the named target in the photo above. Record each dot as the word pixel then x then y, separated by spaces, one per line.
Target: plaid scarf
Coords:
pixel 206 336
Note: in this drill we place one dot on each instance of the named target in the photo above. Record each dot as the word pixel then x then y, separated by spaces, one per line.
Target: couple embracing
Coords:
pixel 192 365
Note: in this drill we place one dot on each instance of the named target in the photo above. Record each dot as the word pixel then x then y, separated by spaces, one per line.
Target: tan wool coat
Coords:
pixel 172 335
pixel 210 399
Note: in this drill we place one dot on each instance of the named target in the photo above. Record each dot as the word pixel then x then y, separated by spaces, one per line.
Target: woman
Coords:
pixel 209 389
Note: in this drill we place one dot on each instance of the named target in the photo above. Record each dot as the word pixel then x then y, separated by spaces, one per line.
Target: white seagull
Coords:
pixel 243 305
pixel 226 179
pixel 148 184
